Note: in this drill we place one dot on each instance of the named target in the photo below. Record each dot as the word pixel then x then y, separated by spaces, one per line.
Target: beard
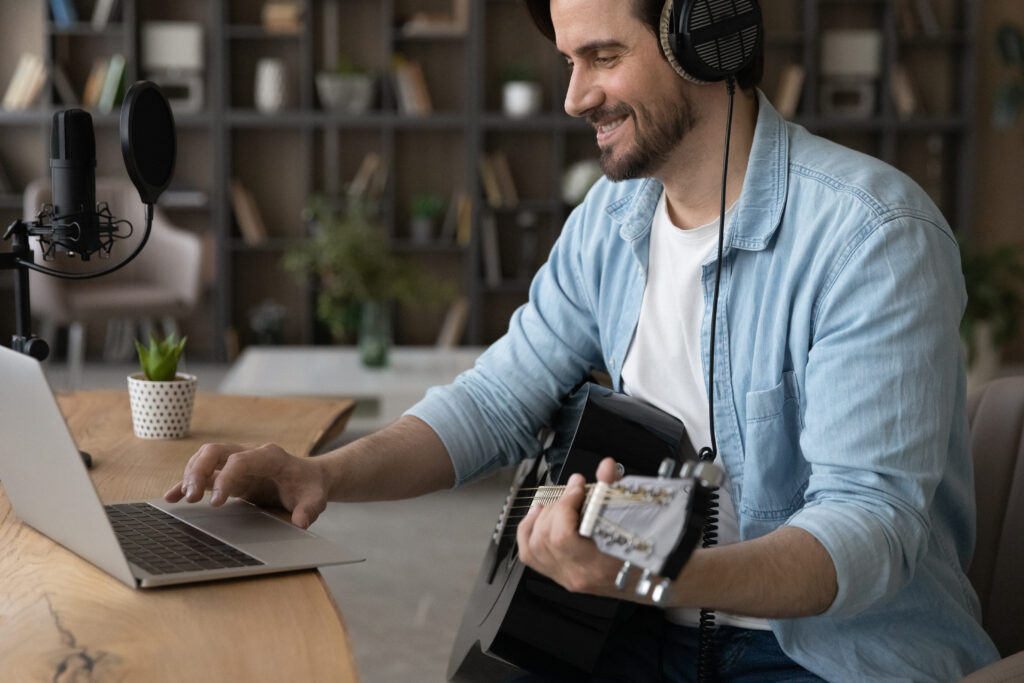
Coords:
pixel 657 133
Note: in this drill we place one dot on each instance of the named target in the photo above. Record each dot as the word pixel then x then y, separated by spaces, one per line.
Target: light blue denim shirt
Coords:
pixel 839 387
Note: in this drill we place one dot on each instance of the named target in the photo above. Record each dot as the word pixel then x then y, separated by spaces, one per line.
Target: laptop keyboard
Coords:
pixel 162 544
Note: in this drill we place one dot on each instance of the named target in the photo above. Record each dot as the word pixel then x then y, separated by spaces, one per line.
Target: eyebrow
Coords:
pixel 594 46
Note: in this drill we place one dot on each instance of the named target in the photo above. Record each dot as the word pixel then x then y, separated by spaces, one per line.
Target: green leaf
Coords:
pixel 159 362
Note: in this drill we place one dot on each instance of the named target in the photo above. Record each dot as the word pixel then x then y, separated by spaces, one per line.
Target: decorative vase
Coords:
pixel 520 98
pixel 421 230
pixel 161 410
pixel 374 334
pixel 345 93
pixel 270 85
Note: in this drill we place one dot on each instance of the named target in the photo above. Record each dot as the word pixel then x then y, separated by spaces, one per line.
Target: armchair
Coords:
pixel 163 282
pixel 996 413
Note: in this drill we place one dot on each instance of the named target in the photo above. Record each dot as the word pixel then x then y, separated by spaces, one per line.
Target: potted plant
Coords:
pixel 358 277
pixel 161 398
pixel 347 88
pixel 521 94
pixel 994 279
pixel 426 207
pixel 1009 96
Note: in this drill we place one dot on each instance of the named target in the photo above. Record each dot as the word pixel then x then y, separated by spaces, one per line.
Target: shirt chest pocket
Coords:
pixel 774 471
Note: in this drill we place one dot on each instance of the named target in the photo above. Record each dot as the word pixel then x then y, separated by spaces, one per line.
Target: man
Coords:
pixel 839 386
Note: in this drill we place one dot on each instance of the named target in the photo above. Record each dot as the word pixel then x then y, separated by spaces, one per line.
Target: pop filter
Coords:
pixel 148 141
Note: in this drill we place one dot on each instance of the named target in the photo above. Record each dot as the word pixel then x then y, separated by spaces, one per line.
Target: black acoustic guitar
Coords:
pixel 518 619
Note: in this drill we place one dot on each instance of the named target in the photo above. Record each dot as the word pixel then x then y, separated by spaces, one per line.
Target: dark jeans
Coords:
pixel 648 649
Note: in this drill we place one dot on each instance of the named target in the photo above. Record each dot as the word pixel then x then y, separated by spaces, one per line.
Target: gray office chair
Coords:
pixel 996 414
pixel 163 283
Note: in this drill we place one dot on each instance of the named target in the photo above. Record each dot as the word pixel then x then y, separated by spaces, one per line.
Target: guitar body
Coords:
pixel 519 619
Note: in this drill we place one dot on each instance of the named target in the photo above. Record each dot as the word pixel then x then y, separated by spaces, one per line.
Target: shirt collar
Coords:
pixel 759 208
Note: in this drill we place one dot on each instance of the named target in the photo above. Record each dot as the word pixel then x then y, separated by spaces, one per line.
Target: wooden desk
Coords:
pixel 62 619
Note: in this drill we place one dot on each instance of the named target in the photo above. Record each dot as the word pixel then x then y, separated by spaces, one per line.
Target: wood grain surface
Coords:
pixel 62 619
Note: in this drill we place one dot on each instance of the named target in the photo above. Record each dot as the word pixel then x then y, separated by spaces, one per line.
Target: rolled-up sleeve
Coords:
pixel 880 388
pixel 490 416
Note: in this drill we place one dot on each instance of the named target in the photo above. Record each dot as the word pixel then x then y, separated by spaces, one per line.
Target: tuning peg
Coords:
pixel 666 467
pixel 643 586
pixel 620 578
pixel 659 591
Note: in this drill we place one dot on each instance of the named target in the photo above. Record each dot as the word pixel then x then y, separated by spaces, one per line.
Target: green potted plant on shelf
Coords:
pixel 521 92
pixel 425 209
pixel 358 277
pixel 994 279
pixel 161 398
pixel 347 88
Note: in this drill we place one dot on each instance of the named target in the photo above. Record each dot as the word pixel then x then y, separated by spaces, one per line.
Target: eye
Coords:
pixel 606 60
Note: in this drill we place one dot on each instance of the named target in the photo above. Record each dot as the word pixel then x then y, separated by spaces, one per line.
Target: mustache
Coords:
pixel 599 116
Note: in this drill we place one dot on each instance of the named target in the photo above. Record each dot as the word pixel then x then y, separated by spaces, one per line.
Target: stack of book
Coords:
pixel 26 83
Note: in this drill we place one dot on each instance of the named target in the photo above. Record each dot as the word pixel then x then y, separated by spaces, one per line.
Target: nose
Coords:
pixel 583 94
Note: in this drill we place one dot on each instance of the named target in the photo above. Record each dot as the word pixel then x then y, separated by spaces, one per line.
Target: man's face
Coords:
pixel 621 83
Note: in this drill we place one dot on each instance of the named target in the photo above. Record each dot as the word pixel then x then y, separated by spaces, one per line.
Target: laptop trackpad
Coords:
pixel 238 523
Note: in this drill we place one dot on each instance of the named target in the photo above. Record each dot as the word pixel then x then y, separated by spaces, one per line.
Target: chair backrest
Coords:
pixel 171 260
pixel 996 413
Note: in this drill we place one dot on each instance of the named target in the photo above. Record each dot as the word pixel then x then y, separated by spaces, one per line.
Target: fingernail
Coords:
pixel 191 491
pixel 576 480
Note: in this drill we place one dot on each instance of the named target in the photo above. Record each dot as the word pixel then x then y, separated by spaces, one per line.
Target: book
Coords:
pixel 113 84
pixel 94 83
pixel 64 14
pixel 791 85
pixel 454 324
pixel 929 20
pixel 411 87
pixel 492 251
pixel 102 13
pixel 247 214
pixel 464 221
pixel 904 98
pixel 362 183
pixel 62 85
pixel 6 186
pixel 26 83
pixel 19 82
pixel 503 173
pixel 489 179
pixel 450 224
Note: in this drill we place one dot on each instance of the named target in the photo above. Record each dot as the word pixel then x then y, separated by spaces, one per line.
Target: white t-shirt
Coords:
pixel 664 364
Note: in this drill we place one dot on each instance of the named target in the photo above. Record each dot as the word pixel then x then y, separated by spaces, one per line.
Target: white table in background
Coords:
pixel 381 395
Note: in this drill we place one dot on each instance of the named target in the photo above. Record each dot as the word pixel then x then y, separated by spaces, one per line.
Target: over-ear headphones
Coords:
pixel 710 40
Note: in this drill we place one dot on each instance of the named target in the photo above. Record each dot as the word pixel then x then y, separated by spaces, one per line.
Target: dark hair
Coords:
pixel 649 12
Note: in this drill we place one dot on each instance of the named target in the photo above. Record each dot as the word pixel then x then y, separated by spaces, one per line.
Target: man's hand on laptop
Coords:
pixel 265 475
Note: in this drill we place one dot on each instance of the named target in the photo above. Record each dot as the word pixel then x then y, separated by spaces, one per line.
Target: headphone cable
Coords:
pixel 709 535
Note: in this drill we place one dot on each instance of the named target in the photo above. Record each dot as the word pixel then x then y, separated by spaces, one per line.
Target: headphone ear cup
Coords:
pixel 706 41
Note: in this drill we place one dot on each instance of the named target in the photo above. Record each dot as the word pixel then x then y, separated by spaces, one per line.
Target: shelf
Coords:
pixel 273 244
pixel 257 32
pixel 878 124
pixel 84 29
pixel 435 247
pixel 542 122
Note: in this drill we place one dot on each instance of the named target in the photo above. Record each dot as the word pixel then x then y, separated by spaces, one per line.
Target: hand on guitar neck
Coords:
pixel 550 543
pixel 611 538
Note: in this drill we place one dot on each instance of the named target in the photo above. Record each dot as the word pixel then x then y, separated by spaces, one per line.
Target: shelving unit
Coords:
pixel 302 149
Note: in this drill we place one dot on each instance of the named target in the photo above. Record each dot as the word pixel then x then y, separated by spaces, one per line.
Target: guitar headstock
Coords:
pixel 648 522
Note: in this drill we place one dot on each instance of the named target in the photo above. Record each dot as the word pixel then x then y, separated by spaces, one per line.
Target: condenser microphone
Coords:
pixel 73 183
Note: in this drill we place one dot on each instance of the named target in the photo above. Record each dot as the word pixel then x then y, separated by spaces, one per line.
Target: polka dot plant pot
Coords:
pixel 161 410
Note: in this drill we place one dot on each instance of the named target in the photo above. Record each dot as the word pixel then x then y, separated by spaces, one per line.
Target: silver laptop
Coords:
pixel 49 488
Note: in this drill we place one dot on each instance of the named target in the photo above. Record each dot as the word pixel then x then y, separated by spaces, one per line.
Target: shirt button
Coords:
pixel 611 362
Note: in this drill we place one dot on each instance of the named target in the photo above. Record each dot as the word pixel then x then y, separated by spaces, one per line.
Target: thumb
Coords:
pixel 305 513
pixel 609 471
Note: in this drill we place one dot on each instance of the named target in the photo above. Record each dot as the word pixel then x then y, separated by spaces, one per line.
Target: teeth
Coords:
pixel 608 127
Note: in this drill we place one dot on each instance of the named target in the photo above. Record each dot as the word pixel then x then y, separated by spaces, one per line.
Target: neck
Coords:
pixel 693 176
